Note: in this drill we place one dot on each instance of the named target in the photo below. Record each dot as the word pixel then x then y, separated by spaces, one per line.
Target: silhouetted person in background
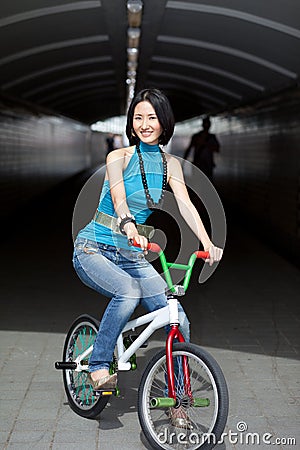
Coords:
pixel 204 145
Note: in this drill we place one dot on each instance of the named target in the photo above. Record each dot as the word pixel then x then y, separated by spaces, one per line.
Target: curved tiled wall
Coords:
pixel 38 151
pixel 258 169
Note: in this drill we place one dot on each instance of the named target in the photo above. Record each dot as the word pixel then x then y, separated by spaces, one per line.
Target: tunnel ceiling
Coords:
pixel 70 56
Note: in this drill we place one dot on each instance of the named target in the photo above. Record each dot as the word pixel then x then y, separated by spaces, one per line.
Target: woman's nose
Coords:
pixel 145 123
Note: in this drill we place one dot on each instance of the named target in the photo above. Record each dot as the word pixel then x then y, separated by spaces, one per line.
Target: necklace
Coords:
pixel 150 202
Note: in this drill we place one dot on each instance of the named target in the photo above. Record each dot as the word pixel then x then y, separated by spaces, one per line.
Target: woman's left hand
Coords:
pixel 215 254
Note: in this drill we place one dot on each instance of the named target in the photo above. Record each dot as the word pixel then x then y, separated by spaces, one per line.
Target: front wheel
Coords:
pixel 81 396
pixel 206 406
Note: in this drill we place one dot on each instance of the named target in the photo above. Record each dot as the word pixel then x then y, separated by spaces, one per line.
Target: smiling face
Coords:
pixel 146 124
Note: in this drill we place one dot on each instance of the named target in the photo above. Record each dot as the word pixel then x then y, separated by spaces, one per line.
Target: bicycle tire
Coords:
pixel 80 394
pixel 207 380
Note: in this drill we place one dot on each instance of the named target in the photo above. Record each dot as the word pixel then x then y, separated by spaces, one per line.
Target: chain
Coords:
pixel 150 202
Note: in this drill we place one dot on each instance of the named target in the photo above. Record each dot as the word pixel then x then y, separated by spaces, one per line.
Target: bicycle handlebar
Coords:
pixel 202 254
pixel 153 247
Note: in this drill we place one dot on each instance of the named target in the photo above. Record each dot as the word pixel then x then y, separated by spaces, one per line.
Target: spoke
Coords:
pixel 82 392
pixel 82 337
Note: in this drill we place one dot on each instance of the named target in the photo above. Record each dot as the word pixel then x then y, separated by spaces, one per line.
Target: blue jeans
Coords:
pixel 128 279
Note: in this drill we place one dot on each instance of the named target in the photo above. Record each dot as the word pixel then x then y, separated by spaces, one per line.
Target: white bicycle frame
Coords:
pixel 156 319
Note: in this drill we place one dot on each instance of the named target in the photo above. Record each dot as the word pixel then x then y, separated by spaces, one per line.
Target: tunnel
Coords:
pixel 66 66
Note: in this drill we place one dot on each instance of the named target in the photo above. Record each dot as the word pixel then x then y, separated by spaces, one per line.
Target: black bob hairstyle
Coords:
pixel 162 109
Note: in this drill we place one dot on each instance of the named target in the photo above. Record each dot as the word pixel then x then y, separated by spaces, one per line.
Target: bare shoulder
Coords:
pixel 120 157
pixel 174 165
pixel 116 155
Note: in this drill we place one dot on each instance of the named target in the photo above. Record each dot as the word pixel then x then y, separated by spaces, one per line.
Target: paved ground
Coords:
pixel 247 315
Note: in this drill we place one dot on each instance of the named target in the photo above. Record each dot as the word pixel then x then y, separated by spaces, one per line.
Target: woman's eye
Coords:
pixel 149 118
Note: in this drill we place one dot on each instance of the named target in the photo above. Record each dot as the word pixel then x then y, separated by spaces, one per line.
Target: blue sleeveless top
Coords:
pixel 135 195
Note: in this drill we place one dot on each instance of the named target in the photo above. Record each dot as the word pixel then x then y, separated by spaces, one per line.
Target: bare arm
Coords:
pixel 114 171
pixel 115 163
pixel 188 210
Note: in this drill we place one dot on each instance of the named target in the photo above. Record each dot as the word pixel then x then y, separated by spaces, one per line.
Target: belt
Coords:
pixel 111 222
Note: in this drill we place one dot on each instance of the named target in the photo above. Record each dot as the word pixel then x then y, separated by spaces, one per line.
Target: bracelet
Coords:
pixel 123 219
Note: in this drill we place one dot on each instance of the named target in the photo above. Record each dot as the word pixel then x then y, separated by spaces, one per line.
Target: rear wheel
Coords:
pixel 206 409
pixel 81 396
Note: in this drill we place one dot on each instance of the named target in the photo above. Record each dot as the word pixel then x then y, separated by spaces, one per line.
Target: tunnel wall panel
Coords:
pixel 258 170
pixel 38 151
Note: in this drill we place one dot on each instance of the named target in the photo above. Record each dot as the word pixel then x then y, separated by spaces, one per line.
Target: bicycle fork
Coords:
pixel 175 334
pixel 172 400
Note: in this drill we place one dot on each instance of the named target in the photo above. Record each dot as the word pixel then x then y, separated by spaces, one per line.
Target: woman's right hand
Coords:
pixel 132 234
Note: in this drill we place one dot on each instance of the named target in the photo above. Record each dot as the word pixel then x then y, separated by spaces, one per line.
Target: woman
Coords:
pixel 136 178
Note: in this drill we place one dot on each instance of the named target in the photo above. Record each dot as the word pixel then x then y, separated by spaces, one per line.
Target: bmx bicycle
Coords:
pixel 181 375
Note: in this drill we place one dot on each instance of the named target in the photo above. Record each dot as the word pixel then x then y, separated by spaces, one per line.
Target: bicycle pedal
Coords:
pixel 105 392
